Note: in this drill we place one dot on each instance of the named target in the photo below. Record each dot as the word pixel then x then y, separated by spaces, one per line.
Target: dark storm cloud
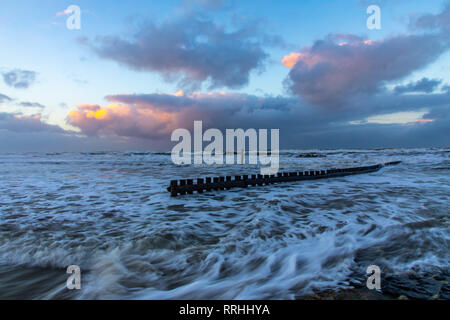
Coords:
pixel 436 132
pixel 192 49
pixel 424 85
pixel 19 79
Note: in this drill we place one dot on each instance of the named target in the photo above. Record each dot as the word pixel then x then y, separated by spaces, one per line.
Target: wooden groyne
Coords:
pixel 188 186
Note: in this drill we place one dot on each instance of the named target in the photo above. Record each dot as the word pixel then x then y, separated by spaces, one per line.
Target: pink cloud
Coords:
pixel 338 67
pixel 152 116
pixel 122 120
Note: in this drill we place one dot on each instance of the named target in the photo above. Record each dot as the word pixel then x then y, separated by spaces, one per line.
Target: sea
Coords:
pixel 110 214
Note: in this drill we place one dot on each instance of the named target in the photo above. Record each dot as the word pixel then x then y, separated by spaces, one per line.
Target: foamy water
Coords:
pixel 110 214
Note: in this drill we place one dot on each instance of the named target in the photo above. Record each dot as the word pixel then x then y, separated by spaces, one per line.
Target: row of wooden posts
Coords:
pixel 187 186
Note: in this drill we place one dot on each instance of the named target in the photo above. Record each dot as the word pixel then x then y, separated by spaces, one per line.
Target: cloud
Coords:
pixel 290 60
pixel 339 67
pixel 26 104
pixel 424 85
pixel 31 133
pixel 19 79
pixel 146 121
pixel 31 105
pixel 17 122
pixel 153 117
pixel 120 120
pixel 409 117
pixel 340 70
pixel 4 98
pixel 440 21
pixel 192 50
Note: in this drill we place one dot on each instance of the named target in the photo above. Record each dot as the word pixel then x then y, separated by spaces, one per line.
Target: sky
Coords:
pixel 137 70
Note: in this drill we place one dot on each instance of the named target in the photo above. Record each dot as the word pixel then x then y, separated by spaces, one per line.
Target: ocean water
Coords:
pixel 110 213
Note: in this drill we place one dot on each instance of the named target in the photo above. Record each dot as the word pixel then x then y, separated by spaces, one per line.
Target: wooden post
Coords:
pixel 260 180
pixel 216 182
pixel 228 179
pixel 190 182
pixel 208 184
pixel 173 186
pixel 200 185
pixel 219 183
pixel 182 184
pixel 245 178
